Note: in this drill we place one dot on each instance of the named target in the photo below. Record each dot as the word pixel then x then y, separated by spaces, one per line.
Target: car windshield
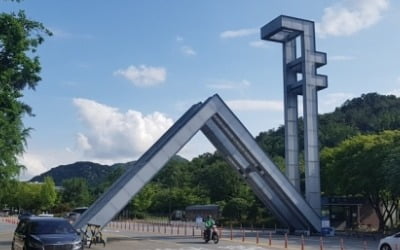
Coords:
pixel 51 227
pixel 79 210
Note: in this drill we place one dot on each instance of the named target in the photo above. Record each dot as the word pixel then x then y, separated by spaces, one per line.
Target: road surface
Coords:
pixel 124 240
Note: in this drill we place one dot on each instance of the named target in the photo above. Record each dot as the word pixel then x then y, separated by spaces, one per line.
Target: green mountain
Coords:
pixel 94 173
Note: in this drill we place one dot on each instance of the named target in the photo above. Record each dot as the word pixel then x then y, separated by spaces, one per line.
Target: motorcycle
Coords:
pixel 214 235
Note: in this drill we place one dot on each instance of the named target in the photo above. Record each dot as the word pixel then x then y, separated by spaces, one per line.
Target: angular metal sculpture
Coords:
pixel 300 78
pixel 239 148
pixel 231 138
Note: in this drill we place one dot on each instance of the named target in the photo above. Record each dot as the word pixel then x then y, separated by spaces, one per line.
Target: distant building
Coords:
pixel 352 212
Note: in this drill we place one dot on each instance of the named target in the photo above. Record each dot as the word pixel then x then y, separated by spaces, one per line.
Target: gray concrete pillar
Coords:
pixel 300 78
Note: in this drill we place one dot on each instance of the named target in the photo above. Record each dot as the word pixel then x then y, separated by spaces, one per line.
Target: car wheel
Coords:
pixel 385 247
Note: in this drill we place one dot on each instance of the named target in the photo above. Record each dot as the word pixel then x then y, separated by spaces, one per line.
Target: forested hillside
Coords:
pixel 93 173
pixel 369 113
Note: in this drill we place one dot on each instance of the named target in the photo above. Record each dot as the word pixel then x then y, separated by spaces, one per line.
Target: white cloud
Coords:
pixel 396 91
pixel 33 164
pixel 328 102
pixel 226 84
pixel 143 76
pixel 259 44
pixel 238 33
pixel 113 135
pixel 40 161
pixel 179 39
pixel 255 105
pixel 186 50
pixel 341 58
pixel 83 142
pixel 350 16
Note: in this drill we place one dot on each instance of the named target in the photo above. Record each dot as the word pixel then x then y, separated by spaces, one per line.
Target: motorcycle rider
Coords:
pixel 209 223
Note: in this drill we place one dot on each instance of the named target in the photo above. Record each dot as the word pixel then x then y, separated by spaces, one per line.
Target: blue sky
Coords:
pixel 117 74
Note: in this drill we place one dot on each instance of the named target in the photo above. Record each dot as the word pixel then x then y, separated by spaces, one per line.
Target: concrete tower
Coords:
pixel 300 63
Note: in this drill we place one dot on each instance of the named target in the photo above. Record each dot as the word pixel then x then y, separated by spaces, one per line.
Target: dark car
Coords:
pixel 42 233
pixel 24 215
pixel 74 215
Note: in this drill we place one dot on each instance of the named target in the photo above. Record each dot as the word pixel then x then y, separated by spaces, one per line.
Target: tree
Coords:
pixel 27 196
pixel 372 112
pixel 19 69
pixel 48 194
pixel 176 173
pixel 144 199
pixel 76 192
pixel 216 178
pixel 392 177
pixel 272 142
pixel 360 166
pixel 235 209
pixel 34 197
pixel 109 180
pixel 9 194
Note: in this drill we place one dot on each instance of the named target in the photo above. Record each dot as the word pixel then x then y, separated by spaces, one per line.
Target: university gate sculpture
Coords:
pixel 280 193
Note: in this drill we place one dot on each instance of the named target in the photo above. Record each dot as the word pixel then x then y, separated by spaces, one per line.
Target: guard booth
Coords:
pixel 196 211
pixel 345 212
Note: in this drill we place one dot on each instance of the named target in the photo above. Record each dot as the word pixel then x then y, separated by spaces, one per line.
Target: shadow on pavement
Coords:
pixel 5 243
pixel 200 242
pixel 152 237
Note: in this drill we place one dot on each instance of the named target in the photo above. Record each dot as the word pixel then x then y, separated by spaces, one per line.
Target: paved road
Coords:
pixel 6 231
pixel 121 240
pixel 146 241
